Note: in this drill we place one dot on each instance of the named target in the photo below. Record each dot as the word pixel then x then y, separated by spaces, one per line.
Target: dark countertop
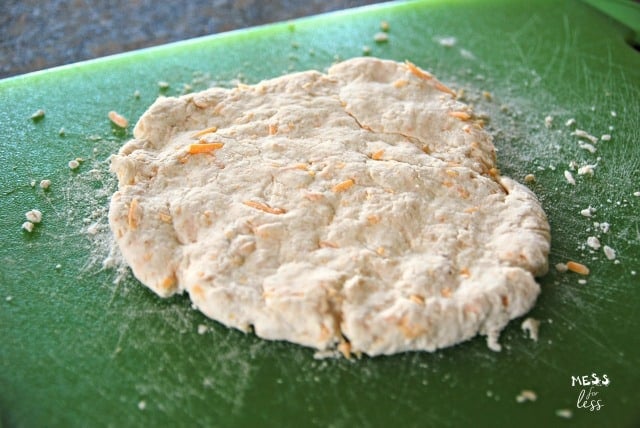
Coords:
pixel 35 35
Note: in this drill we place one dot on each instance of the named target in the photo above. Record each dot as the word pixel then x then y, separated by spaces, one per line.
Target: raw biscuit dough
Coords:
pixel 358 209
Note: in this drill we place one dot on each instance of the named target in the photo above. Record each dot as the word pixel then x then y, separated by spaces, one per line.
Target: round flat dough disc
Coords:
pixel 358 209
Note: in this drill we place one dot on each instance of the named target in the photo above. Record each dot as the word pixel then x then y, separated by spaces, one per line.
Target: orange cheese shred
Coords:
pixel 327 244
pixel 400 83
pixel 578 268
pixel 344 186
pixel 377 155
pixel 416 298
pixel 169 283
pixel 416 71
pixel 345 349
pixel 132 216
pixel 443 88
pixel 165 217
pixel 195 149
pixel 264 207
pixel 205 131
pixel 462 115
pixel 118 119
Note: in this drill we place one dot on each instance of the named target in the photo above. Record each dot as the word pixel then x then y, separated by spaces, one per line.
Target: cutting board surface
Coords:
pixel 78 350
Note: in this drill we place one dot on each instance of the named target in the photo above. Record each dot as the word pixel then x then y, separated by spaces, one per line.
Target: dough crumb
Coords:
pixel 37 115
pixel 34 216
pixel 381 37
pixel 609 252
pixel 492 341
pixel 586 169
pixel 28 226
pixel 531 326
pixel 202 329
pixel 587 212
pixel 588 147
pixel 564 413
pixel 593 242
pixel 569 177
pixel 142 405
pixel 548 122
pixel 73 164
pixel 44 184
pixel 584 134
pixel 526 395
pixel 322 355
pixel 291 219
pixel 93 229
pixel 447 42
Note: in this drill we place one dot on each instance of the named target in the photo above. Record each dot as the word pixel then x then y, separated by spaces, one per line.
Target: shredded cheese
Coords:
pixel 132 216
pixel 578 268
pixel 416 71
pixel 462 115
pixel 442 88
pixel 264 207
pixel 377 155
pixel 195 149
pixel 205 131
pixel 118 120
pixel 345 349
pixel 400 83
pixel 327 244
pixel 344 186
pixel 417 299
pixel 164 217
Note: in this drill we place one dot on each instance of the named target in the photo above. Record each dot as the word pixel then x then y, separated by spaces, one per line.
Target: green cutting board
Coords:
pixel 78 350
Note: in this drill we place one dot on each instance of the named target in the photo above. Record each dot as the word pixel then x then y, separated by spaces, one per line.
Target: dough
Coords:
pixel 359 209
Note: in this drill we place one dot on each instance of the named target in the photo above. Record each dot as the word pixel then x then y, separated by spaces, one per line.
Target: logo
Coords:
pixel 590 386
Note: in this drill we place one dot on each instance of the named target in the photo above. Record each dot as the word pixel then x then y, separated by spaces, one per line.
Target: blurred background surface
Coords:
pixel 37 34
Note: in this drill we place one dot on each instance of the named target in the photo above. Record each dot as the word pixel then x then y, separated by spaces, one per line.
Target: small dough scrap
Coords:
pixel 359 209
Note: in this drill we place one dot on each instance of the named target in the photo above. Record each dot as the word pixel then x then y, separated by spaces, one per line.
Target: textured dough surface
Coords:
pixel 359 207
